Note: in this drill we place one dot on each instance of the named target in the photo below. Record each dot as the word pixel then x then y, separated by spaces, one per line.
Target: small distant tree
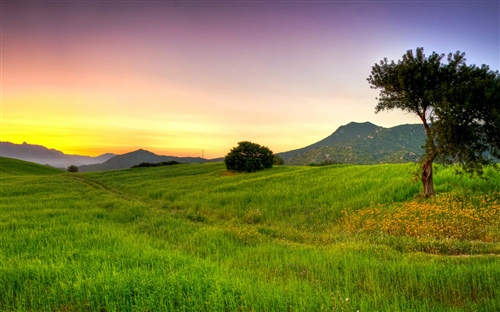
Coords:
pixel 72 168
pixel 249 157
pixel 278 161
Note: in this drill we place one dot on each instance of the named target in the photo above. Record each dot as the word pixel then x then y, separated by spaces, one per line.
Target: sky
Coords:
pixel 194 78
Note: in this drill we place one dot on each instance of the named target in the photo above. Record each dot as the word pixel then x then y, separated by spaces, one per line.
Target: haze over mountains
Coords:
pixel 44 156
pixel 354 143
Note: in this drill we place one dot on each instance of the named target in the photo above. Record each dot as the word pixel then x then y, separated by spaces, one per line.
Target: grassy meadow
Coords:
pixel 199 238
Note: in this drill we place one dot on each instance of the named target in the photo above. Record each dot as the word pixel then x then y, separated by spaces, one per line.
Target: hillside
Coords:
pixel 41 155
pixel 362 143
pixel 198 238
pixel 13 166
pixel 128 160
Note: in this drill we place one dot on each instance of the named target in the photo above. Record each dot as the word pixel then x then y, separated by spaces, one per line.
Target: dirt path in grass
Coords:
pixel 485 255
pixel 102 187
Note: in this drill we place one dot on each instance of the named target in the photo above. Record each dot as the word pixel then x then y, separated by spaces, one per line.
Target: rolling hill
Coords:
pixel 41 155
pixel 128 160
pixel 13 166
pixel 362 143
pixel 291 238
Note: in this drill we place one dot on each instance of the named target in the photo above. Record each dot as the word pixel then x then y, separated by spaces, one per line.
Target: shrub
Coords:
pixel 72 168
pixel 327 162
pixel 249 157
pixel 278 161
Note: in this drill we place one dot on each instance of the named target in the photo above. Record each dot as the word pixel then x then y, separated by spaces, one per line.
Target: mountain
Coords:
pixel 128 160
pixel 362 143
pixel 356 143
pixel 42 155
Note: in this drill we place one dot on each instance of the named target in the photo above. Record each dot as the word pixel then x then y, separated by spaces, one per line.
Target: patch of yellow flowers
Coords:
pixel 445 216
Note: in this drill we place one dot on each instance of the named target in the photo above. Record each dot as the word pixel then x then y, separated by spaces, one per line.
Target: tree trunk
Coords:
pixel 427 178
pixel 430 151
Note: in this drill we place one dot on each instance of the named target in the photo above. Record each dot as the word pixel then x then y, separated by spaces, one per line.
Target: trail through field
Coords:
pixel 102 187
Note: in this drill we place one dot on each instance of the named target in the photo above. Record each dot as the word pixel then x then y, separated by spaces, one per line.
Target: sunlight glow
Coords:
pixel 178 78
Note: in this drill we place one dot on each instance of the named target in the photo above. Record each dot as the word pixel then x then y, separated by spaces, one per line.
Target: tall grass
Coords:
pixel 197 238
pixel 282 193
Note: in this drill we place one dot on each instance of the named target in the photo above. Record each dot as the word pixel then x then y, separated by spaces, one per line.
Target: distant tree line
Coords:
pixel 327 162
pixel 163 163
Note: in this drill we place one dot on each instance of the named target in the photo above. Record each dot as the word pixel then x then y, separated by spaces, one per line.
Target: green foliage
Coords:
pixel 412 84
pixel 326 162
pixel 72 168
pixel 163 163
pixel 278 161
pixel 198 238
pixel 467 122
pixel 249 157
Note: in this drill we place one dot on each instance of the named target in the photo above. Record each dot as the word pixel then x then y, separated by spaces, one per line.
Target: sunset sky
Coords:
pixel 179 78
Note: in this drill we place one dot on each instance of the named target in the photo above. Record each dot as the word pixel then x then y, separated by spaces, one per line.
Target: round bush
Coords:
pixel 73 168
pixel 249 157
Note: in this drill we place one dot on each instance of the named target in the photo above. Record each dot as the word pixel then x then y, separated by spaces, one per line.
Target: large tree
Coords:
pixel 458 104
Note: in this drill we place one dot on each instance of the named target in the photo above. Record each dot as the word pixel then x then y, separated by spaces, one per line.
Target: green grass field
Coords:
pixel 199 238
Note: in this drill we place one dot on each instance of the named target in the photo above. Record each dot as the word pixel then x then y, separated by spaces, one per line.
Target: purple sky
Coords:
pixel 181 77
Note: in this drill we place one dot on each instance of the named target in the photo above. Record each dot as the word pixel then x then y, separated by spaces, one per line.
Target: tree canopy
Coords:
pixel 457 103
pixel 249 157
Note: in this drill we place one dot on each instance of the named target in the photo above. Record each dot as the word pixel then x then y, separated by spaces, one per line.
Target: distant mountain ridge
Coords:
pixel 41 155
pixel 354 143
pixel 362 143
pixel 128 160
